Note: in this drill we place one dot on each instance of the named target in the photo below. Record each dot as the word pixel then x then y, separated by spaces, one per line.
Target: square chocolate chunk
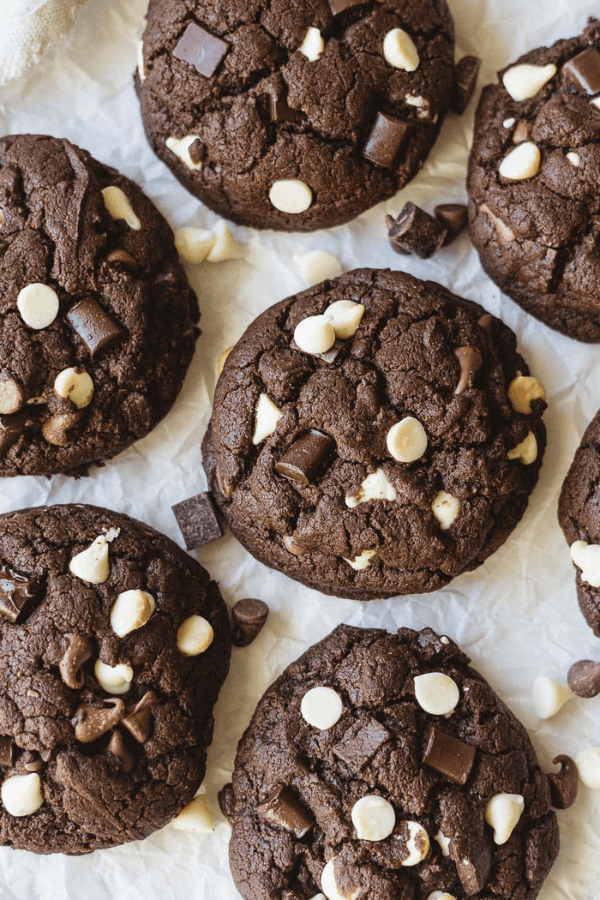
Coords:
pixel 96 328
pixel 385 140
pixel 197 520
pixel 360 743
pixel 584 70
pixel 201 49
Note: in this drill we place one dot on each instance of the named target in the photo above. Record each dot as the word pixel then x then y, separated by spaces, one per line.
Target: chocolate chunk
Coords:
pixel 339 6
pixel 91 723
pixel 7 751
pixel 12 396
pixel 77 653
pixel 473 874
pixel 96 328
pixel 332 354
pixel 249 616
pixel 118 748
pixel 277 109
pixel 139 721
pixel 10 432
pixel 522 131
pixel 415 232
pixel 465 79
pixel 563 784
pixel 197 520
pixel 57 429
pixel 360 743
pixel 46 755
pixel 18 594
pixel 454 216
pixel 584 678
pixel 283 808
pixel 293 546
pixel 449 755
pixel 35 765
pixel 197 151
pixel 485 322
pixel 124 258
pixel 201 49
pixel 306 458
pixel 385 140
pixel 584 70
pixel 471 362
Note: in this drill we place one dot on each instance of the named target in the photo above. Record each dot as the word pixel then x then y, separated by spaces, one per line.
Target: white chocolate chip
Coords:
pixel 321 707
pixel 508 123
pixel 113 679
pixel 329 886
pixel 502 813
pixel 417 844
pixel 588 767
pixel 75 385
pixel 119 207
pixel 399 50
pixel 595 102
pixel 444 639
pixel 526 452
pixel 267 415
pixel 223 359
pixel 362 561
pixel 587 558
pixel 521 163
pixel 444 842
pixel 375 487
pixel 407 440
pixel 436 693
pixel 91 564
pixel 315 334
pixel 22 794
pixel 194 244
pixel 504 230
pixel 522 391
pixel 2 219
pixel 549 696
pixel 525 81
pixel 445 508
pixel 38 305
pixel 317 266
pixel 181 148
pixel 441 895
pixel 574 159
pixel 194 636
pixel 140 61
pixel 421 104
pixel 373 818
pixel 319 897
pixel 313 44
pixel 131 610
pixel 197 817
pixel 225 247
pixel 290 195
pixel 345 317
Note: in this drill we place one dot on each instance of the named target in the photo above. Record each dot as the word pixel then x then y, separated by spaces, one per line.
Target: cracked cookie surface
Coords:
pixel 538 231
pixel 301 783
pixel 306 454
pixel 110 729
pixel 98 320
pixel 299 92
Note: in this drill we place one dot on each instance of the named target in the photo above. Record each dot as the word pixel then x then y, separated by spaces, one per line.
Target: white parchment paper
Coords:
pixel 517 615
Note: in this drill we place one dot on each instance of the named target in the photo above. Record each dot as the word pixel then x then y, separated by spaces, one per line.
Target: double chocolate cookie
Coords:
pixel 113 647
pixel 534 209
pixel 296 117
pixel 97 325
pixel 382 766
pixel 374 435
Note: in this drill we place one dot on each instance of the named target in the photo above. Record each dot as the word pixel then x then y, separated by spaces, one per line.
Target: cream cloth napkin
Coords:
pixel 27 28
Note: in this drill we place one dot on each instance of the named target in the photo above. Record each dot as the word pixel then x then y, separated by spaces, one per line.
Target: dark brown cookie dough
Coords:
pixel 579 518
pixel 104 764
pixel 98 320
pixel 423 363
pixel 537 231
pixel 252 109
pixel 403 720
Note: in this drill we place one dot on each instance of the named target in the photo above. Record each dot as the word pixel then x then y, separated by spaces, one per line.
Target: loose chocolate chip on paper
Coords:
pixel 584 70
pixel 465 80
pixel 197 520
pixel 201 49
pixel 385 140
pixel 415 232
pixel 449 755
pixel 454 216
pixel 96 328
pixel 563 784
pixel 282 807
pixel 306 458
pixel 249 616
pixel 584 678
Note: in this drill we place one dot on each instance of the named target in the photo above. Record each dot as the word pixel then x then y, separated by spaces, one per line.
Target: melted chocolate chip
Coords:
pixel 139 721
pixel 471 362
pixel 91 723
pixel 19 594
pixel 118 748
pixel 78 652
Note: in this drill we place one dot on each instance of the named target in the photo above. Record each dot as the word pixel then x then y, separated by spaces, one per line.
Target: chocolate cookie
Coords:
pixel 295 118
pixel 374 435
pixel 383 766
pixel 579 519
pixel 97 327
pixel 114 645
pixel 534 209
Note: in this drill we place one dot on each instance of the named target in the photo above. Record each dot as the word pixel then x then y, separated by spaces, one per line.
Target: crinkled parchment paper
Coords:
pixel 516 616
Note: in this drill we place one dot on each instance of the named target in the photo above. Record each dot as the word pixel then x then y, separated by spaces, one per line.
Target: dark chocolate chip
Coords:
pixel 340 6
pixel 10 432
pixel 197 151
pixel 7 751
pixel 78 652
pixel 197 520
pixel 465 79
pixel 584 70
pixel 332 354
pixel 449 755
pixel 385 140
pixel 249 616
pixel 227 801
pixel 474 873
pixel 118 748
pixel 91 722
pixel 522 131
pixel 471 362
pixel 138 722
pixel 306 458
pixel 12 396
pixel 563 784
pixel 282 807
pixel 415 232
pixel 123 258
pixel 35 765
pixel 454 216
pixel 584 678
pixel 96 328
pixel 360 743
pixel 19 594
pixel 201 49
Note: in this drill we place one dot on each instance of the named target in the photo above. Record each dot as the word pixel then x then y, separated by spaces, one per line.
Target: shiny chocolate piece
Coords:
pixel 340 6
pixel 454 216
pixel 249 616
pixel 7 751
pixel 139 721
pixel 96 328
pixel 197 520
pixel 12 396
pixel 465 79
pixel 415 232
pixel 78 652
pixel 277 109
pixel 385 140
pixel 584 678
pixel 118 748
pixel 306 458
pixel 332 354
pixel 449 755
pixel 522 131
pixel 19 594
pixel 35 765
pixel 485 323
pixel 123 258
pixel 201 49
pixel 474 873
pixel 563 784
pixel 360 743
pixel 471 362
pixel 283 808
pixel 197 151
pixel 584 70
pixel 91 722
